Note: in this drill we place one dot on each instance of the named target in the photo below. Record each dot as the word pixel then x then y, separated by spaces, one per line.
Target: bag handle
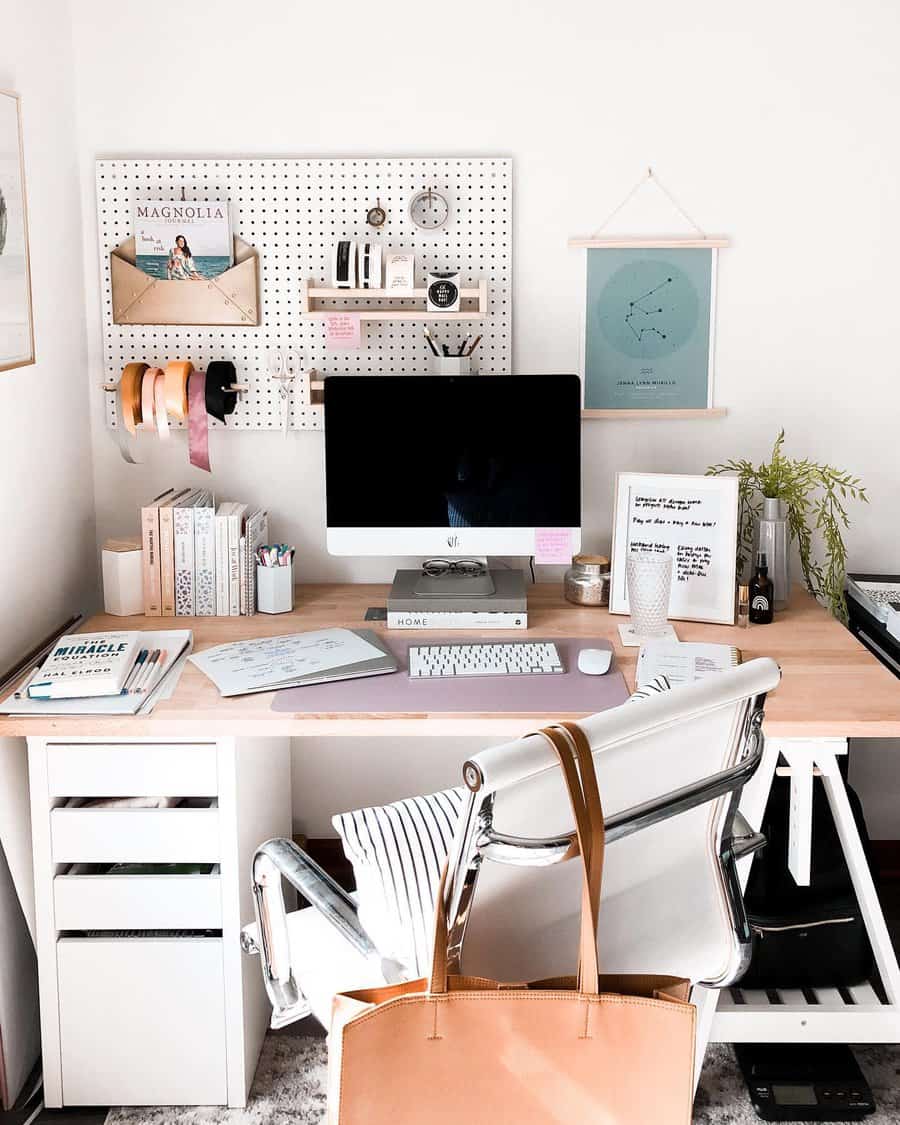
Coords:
pixel 584 797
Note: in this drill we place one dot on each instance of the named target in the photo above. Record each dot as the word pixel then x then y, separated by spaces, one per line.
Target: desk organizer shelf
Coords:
pixel 291 212
pixel 362 300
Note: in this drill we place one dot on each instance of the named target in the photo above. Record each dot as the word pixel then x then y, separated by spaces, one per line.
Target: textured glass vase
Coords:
pixel 773 536
pixel 649 580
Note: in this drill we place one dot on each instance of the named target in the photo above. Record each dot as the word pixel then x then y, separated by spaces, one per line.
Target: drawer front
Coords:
pixel 138 770
pixel 142 1021
pixel 135 835
pixel 137 902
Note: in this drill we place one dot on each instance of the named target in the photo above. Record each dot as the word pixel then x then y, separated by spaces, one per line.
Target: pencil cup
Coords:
pixel 452 365
pixel 275 589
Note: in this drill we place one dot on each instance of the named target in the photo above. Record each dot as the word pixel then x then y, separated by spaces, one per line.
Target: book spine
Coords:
pixel 167 560
pixel 151 571
pixel 234 566
pixel 222 566
pixel 260 538
pixel 205 562
pixel 242 565
pixel 457 620
pixel 184 562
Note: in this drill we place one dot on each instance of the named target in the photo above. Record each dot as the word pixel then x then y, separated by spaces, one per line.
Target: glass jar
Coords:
pixel 587 580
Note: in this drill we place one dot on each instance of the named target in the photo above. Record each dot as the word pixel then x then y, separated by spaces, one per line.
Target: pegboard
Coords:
pixel 291 212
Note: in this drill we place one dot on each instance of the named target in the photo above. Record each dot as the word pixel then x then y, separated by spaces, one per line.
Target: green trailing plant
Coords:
pixel 816 496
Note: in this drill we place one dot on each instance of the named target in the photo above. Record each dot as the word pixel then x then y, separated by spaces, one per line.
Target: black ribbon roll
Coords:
pixel 220 375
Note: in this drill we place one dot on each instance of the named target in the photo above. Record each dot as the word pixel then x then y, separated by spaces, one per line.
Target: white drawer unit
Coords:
pixel 146 998
pixel 178 835
pixel 142 1021
pixel 126 770
pixel 138 902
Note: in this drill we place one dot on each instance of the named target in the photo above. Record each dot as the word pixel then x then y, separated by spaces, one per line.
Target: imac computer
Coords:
pixel 443 466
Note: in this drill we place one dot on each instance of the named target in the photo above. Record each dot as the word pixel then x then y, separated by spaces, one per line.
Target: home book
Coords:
pixel 456 619
pixel 86 664
pixel 683 663
pixel 182 240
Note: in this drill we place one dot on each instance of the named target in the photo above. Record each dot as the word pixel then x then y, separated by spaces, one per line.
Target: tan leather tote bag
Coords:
pixel 459 1050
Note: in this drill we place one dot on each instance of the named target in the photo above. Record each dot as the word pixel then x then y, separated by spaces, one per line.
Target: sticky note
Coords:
pixel 553 545
pixel 343 331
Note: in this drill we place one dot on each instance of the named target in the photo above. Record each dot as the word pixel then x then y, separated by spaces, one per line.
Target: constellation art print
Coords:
pixel 648 334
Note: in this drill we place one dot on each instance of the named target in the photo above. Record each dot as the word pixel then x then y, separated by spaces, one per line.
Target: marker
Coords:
pixel 138 685
pixel 431 342
pixel 132 675
pixel 153 678
pixel 22 692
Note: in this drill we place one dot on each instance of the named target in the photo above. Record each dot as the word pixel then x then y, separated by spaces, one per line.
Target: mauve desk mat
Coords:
pixel 396 693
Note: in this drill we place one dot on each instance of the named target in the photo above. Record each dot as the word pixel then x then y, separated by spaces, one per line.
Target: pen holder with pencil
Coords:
pixel 452 365
pixel 275 588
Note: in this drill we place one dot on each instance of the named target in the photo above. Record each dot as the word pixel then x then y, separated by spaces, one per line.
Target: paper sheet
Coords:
pixel 683 663
pixel 258 665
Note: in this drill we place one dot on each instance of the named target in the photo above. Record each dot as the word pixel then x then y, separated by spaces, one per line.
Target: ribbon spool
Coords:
pixel 177 374
pixel 221 400
pixel 130 394
pixel 148 401
pixel 198 421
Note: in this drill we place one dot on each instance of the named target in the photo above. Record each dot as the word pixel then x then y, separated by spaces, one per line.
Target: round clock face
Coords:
pixel 648 309
pixel 376 216
pixel 429 209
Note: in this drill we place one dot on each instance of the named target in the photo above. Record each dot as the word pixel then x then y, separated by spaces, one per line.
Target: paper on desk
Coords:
pixel 683 662
pixel 270 662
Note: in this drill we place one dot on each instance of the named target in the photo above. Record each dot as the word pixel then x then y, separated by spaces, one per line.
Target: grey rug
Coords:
pixel 290 1090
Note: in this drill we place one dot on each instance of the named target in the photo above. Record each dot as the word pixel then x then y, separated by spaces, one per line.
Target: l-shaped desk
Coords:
pixel 232 758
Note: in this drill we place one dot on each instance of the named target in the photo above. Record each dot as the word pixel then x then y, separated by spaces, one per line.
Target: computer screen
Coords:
pixel 442 464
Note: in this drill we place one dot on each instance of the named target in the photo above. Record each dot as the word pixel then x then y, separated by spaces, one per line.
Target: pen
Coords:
pixel 464 345
pixel 135 671
pixel 138 685
pixel 22 691
pixel 430 340
pixel 446 349
pixel 474 345
pixel 153 678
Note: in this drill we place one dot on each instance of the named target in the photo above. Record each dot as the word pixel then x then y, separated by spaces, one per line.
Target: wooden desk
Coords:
pixel 832 687
pixel 236 753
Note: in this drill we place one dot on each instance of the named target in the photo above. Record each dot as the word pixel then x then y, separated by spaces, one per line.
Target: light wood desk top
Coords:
pixel 831 687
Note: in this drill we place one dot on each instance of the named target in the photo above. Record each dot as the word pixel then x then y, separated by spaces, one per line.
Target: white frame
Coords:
pixel 30 359
pixel 722 603
pixel 711 244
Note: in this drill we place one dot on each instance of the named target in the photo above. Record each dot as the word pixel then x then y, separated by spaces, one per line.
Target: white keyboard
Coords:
pixel 496 658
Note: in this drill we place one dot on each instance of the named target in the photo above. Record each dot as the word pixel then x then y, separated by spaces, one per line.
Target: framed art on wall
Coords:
pixel 695 522
pixel 16 331
pixel 649 325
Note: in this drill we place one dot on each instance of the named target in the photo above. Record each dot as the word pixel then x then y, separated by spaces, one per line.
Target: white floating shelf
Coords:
pixel 311 294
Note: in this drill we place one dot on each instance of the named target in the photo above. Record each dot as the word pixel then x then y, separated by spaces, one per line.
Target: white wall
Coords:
pixel 48 564
pixel 772 124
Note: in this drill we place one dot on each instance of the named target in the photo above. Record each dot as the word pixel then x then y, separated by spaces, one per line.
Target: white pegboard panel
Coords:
pixel 292 211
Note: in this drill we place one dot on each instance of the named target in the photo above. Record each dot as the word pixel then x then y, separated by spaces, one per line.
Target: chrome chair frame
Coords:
pixel 477 840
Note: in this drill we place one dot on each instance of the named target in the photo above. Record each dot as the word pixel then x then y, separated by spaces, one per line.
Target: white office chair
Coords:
pixel 671 770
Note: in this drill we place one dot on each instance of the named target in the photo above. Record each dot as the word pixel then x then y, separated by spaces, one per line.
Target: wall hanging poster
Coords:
pixel 16 336
pixel 694 520
pixel 649 327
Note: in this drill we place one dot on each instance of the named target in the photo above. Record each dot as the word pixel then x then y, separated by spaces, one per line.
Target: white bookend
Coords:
pixel 205 559
pixel 235 530
pixel 222 559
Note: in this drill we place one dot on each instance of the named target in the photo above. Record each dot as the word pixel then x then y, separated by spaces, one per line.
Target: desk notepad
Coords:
pixel 571 693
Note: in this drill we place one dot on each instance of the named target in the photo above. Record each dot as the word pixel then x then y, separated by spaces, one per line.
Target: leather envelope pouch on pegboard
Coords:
pixel 230 298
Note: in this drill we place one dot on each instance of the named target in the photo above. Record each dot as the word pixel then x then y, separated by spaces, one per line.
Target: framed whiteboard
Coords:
pixel 695 519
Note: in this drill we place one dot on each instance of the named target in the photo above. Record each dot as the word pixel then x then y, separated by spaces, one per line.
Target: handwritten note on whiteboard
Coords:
pixel 693 519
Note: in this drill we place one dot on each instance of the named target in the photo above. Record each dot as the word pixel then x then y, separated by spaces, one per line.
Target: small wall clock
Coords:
pixel 429 210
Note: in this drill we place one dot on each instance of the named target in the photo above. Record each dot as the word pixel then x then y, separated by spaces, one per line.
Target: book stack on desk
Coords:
pixel 506 608
pixel 198 560
pixel 118 673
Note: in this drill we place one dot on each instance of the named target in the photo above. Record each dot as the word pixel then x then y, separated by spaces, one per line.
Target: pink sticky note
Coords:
pixel 342 331
pixel 553 545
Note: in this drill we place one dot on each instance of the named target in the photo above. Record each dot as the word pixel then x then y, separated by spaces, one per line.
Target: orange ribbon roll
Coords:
pixel 177 375
pixel 130 390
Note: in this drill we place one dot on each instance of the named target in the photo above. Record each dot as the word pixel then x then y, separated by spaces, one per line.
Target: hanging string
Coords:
pixel 646 178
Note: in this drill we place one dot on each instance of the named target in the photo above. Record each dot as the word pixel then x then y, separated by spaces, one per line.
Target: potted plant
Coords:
pixel 814 496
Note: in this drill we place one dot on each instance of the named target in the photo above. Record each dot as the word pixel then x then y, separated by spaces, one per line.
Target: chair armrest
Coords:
pixel 744 841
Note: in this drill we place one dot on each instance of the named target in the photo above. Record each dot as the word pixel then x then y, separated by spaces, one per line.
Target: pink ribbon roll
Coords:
pixel 198 421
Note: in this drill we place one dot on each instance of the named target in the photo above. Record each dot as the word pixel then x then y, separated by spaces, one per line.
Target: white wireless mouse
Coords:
pixel 594 661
